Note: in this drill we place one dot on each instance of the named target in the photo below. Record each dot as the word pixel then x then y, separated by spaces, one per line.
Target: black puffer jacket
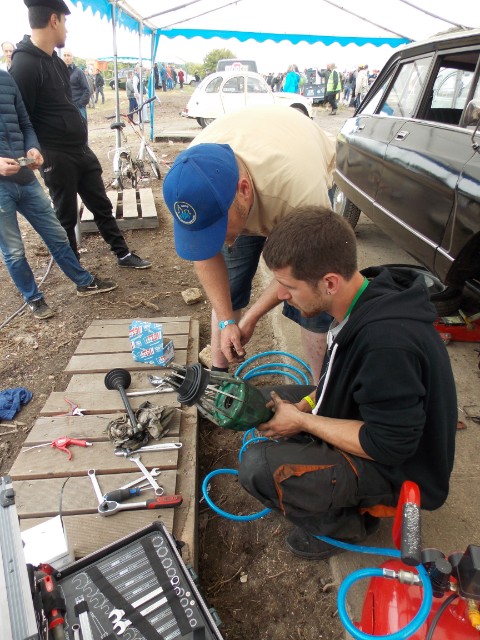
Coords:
pixel 44 83
pixel 79 86
pixel 16 132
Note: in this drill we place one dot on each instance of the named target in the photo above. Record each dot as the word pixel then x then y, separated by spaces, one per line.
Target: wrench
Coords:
pixel 118 614
pixel 96 486
pixel 154 473
pixel 166 446
pixel 109 507
pixel 120 626
pixel 76 631
pixel 137 460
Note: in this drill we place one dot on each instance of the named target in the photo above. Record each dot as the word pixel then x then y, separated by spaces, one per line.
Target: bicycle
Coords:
pixel 126 167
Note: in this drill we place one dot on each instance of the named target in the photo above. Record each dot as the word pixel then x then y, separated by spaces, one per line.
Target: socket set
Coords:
pixel 136 589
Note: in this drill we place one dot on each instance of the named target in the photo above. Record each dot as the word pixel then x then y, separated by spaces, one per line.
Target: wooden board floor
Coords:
pixel 133 209
pixel 47 483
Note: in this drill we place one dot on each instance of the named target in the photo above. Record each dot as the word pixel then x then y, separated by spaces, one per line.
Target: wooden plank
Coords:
pixel 185 522
pixel 87 215
pixel 90 428
pixel 127 321
pixel 86 534
pixel 94 364
pixel 41 498
pixel 129 204
pixel 48 463
pixel 147 203
pixel 118 330
pixel 100 401
pixel 119 345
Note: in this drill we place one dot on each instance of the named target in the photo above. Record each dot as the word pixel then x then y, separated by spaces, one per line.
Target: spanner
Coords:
pixel 117 614
pixel 120 626
pixel 76 631
pixel 96 486
pixel 137 460
pixel 154 473
pixel 109 507
pixel 165 446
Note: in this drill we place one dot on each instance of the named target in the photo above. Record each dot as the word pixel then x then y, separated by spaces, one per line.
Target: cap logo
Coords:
pixel 185 213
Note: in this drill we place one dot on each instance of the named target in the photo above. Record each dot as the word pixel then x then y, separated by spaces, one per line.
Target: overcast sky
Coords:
pixel 91 37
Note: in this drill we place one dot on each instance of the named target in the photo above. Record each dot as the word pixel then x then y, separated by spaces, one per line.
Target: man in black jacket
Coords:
pixel 78 83
pixel 385 410
pixel 70 166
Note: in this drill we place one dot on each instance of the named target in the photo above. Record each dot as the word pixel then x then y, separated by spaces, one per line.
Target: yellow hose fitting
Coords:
pixel 473 614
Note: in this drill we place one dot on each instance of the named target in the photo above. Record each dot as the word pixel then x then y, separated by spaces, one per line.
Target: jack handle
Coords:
pixel 406 531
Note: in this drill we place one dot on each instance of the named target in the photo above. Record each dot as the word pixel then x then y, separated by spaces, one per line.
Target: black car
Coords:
pixel 409 158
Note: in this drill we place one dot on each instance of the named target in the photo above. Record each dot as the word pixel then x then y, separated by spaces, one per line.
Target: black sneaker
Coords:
pixel 134 262
pixel 96 286
pixel 40 309
pixel 306 546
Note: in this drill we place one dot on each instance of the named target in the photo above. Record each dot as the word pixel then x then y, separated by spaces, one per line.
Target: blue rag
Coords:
pixel 11 401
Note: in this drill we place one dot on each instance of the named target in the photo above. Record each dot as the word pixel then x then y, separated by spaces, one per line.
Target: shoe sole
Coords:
pixel 44 317
pixel 127 266
pixel 92 292
pixel 305 555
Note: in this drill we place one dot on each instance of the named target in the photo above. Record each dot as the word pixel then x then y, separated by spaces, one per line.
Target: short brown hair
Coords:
pixel 39 17
pixel 312 241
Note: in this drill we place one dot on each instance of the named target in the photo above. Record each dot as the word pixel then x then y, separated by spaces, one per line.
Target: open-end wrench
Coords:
pixel 96 486
pixel 120 626
pixel 154 473
pixel 118 614
pixel 137 460
pixel 164 446
pixel 109 507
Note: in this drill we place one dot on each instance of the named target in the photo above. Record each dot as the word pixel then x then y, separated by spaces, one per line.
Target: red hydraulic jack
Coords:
pixel 459 328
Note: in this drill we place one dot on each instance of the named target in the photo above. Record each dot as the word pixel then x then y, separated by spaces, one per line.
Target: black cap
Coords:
pixel 54 5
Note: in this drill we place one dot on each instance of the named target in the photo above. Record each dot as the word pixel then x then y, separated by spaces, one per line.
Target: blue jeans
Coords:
pixel 31 201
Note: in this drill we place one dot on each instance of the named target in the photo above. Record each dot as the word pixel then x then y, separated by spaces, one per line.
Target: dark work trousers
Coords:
pixel 316 486
pixel 332 100
pixel 67 174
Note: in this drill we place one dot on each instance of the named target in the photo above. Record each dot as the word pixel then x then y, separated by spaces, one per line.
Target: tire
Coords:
pixel 204 122
pixel 446 300
pixel 300 107
pixel 345 208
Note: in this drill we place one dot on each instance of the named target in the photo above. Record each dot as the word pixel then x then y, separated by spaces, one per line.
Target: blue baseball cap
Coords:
pixel 199 190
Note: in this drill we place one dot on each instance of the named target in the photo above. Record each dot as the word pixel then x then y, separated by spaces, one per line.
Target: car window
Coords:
pixel 256 85
pixel 213 86
pixel 451 88
pixel 373 102
pixel 234 85
pixel 405 92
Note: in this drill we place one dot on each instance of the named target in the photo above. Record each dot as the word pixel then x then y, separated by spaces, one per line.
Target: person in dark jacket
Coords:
pixel 21 192
pixel 385 409
pixel 70 166
pixel 99 83
pixel 78 83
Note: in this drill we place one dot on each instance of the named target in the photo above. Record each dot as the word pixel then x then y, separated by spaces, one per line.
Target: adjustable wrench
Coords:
pixel 96 486
pixel 118 614
pixel 154 473
pixel 109 507
pixel 137 460
pixel 120 626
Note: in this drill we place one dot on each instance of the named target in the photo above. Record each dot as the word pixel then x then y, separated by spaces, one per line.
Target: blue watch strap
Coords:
pixel 224 323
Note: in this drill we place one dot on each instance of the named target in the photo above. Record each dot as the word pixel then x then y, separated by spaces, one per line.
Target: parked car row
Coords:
pixel 409 158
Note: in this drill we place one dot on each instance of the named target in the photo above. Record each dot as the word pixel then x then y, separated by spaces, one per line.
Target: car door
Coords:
pixel 361 147
pixel 258 92
pixel 233 93
pixel 422 166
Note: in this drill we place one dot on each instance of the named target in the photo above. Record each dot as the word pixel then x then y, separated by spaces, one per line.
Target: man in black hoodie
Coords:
pixel 70 166
pixel 385 410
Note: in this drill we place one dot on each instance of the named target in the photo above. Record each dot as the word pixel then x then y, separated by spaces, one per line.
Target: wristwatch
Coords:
pixel 224 323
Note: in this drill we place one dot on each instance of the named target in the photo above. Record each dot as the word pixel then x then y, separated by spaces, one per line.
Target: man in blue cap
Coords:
pixel 242 175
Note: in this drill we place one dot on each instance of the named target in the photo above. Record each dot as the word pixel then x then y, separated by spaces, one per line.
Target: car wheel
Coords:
pixel 300 107
pixel 204 122
pixel 345 208
pixel 446 300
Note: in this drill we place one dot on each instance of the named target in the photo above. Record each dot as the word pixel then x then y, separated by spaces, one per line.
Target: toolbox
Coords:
pixel 137 588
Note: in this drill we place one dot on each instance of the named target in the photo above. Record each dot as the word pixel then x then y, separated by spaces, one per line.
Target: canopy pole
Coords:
pixel 115 71
pixel 140 64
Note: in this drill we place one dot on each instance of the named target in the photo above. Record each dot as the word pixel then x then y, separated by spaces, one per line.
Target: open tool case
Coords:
pixel 100 589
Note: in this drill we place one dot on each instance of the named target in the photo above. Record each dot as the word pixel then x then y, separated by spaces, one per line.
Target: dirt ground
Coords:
pixel 259 590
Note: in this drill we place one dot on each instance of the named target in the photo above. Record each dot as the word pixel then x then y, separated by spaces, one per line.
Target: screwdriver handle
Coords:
pixel 164 501
pixel 119 495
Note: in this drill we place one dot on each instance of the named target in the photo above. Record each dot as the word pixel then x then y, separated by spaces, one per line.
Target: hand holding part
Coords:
pixel 231 343
pixel 285 421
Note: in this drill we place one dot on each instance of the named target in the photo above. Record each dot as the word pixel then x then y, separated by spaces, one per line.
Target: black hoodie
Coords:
pixel 44 82
pixel 390 369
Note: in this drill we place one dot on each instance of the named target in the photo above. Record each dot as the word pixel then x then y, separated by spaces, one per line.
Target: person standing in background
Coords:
pixel 7 50
pixel 78 83
pixel 291 80
pixel 99 83
pixel 132 101
pixel 91 86
pixel 181 77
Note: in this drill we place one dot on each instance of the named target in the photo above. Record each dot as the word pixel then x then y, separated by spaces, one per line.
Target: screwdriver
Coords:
pixel 119 495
